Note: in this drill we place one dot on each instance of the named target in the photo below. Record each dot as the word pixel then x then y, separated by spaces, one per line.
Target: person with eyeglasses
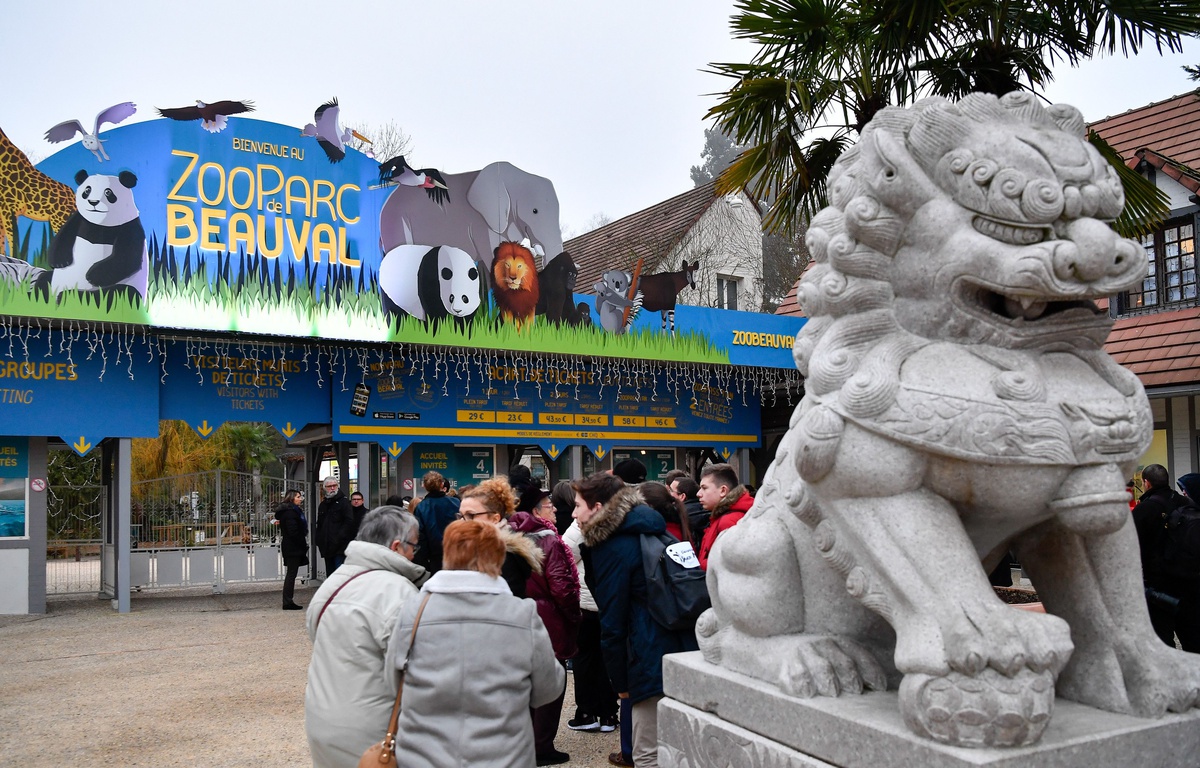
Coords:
pixel 556 592
pixel 335 525
pixel 493 502
pixel 293 543
pixel 350 621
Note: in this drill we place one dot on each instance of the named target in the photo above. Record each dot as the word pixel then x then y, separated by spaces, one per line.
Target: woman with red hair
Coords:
pixel 480 659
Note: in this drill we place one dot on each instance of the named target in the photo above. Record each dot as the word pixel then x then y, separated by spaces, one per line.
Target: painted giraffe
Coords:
pixel 26 191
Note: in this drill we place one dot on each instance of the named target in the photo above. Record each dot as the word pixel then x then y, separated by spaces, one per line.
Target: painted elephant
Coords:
pixel 486 207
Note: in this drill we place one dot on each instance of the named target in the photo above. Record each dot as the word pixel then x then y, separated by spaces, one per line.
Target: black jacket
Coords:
pixel 633 643
pixel 1150 520
pixel 335 525
pixel 293 534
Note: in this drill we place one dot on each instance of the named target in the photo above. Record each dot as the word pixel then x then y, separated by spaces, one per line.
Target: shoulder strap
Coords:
pixel 389 741
pixel 330 600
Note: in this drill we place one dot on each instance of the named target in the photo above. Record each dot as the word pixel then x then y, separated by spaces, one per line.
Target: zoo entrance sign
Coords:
pixel 255 228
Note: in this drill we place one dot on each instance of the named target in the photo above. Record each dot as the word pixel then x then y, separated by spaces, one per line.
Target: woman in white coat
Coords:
pixel 350 621
pixel 480 660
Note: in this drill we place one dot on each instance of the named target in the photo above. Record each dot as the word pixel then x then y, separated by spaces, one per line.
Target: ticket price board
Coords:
pixel 412 401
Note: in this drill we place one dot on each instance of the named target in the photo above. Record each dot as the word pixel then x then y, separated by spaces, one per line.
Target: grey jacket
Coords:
pixel 349 699
pixel 481 660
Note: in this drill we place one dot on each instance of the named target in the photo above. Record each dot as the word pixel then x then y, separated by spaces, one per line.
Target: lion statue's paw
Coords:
pixel 801 665
pixel 982 634
pixel 1143 677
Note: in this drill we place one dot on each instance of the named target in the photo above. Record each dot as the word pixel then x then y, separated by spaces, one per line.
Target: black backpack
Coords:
pixel 1181 544
pixel 676 592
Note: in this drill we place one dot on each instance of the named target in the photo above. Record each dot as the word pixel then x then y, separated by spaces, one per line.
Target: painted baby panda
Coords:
pixel 102 247
pixel 432 284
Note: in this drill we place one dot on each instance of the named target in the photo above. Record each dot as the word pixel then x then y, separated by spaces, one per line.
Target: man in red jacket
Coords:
pixel 725 499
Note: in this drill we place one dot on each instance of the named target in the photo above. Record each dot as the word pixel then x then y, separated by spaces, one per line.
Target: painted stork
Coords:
pixel 328 130
pixel 65 131
pixel 212 117
pixel 398 171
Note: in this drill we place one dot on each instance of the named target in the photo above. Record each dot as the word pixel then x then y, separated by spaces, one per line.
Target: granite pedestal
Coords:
pixel 714 717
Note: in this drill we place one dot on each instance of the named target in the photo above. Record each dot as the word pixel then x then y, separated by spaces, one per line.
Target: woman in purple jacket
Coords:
pixel 556 592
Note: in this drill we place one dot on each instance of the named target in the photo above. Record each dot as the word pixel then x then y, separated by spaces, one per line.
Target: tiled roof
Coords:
pixel 790 306
pixel 649 234
pixel 1168 127
pixel 1162 348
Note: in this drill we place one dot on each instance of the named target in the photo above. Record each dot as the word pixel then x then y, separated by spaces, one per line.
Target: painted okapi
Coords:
pixel 660 291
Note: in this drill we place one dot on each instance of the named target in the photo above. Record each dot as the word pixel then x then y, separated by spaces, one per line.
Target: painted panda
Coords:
pixel 102 247
pixel 432 284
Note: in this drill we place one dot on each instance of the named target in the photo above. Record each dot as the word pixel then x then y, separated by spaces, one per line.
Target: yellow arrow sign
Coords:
pixel 553 451
pixel 395 450
pixel 289 430
pixel 204 429
pixel 599 451
pixel 725 454
pixel 81 445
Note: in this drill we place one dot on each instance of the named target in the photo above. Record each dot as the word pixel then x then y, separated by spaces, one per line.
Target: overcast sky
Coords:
pixel 607 99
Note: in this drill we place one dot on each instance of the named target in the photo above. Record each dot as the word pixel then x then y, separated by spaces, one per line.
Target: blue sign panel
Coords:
pixel 208 385
pixel 79 388
pixel 542 402
pixel 14 471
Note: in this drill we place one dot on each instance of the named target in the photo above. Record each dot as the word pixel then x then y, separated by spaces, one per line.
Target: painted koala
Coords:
pixel 611 301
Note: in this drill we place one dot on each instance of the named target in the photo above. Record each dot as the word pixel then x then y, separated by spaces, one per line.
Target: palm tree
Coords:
pixel 825 67
pixel 250 446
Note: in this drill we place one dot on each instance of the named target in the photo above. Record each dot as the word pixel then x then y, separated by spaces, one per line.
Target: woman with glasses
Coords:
pixel 493 501
pixel 350 622
pixel 293 544
pixel 479 661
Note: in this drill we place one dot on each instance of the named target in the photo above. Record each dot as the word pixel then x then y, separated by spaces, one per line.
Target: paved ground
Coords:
pixel 215 680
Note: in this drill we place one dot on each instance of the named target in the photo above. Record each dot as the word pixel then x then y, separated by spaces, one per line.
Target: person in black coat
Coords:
pixel 293 535
pixel 1150 518
pixel 613 518
pixel 335 525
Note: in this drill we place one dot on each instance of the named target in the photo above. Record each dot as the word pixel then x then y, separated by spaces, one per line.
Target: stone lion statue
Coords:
pixel 959 404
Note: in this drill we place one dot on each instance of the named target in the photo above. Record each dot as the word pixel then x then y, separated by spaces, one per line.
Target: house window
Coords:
pixel 727 292
pixel 1170 268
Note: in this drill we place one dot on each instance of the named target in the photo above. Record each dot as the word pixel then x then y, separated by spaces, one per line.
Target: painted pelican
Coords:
pixel 329 132
pixel 211 116
pixel 398 171
pixel 66 130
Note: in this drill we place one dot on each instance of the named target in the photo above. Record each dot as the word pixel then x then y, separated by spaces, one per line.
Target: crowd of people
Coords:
pixel 473 604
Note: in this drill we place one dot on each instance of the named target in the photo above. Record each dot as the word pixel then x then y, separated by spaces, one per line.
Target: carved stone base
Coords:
pixel 714 718
pixel 987 710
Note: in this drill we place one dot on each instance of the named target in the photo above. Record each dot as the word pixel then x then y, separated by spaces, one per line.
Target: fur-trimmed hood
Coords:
pixel 613 514
pixel 730 502
pixel 523 546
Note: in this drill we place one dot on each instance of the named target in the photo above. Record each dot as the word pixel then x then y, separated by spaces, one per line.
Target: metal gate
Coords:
pixel 74 521
pixel 206 528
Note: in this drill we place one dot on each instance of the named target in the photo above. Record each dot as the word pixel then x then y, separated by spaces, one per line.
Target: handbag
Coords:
pixel 383 754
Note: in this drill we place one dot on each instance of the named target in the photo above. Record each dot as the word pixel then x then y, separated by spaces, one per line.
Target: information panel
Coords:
pixel 78 388
pixel 458 464
pixel 209 386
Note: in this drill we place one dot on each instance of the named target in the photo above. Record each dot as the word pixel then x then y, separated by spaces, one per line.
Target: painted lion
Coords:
pixel 959 404
pixel 515 283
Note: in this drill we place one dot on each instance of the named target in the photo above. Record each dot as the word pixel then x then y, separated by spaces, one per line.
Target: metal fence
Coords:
pixel 74 523
pixel 206 528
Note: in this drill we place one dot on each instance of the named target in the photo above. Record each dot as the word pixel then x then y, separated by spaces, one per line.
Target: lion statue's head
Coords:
pixel 985 221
